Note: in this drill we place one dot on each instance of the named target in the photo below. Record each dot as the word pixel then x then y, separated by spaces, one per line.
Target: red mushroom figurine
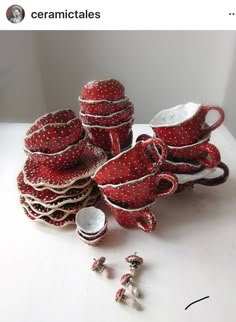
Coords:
pixel 135 261
pixel 122 297
pixel 99 266
pixel 127 281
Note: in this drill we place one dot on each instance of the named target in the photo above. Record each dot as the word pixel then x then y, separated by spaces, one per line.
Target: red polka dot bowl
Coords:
pixel 54 137
pixel 63 159
pixel 184 124
pixel 103 107
pixel 109 120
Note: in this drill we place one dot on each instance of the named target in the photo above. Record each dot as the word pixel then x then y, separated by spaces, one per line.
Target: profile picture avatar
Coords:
pixel 15 13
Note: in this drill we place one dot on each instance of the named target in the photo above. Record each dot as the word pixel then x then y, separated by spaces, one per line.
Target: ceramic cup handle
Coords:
pixel 147 221
pixel 209 155
pixel 220 120
pixel 217 180
pixel 170 178
pixel 115 142
pixel 155 143
pixel 143 137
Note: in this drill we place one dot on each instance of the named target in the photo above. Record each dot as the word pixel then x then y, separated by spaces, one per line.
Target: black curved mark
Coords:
pixel 196 301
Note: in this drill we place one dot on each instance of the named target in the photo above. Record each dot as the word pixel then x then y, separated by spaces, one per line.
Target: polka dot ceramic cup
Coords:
pixel 140 192
pixel 141 218
pixel 133 163
pixel 184 124
pixel 110 138
pixel 202 153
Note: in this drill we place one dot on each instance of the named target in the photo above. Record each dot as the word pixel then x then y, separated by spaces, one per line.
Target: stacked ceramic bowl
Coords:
pixel 91 225
pixel 55 182
pixel 190 155
pixel 107 115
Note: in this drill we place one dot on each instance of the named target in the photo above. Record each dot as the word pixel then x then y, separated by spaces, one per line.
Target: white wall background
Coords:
pixel 160 69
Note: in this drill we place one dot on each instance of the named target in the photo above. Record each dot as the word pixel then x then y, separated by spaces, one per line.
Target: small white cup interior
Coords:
pixel 90 220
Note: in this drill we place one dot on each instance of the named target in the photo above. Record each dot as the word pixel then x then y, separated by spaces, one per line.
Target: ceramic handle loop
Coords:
pixel 210 151
pixel 220 120
pixel 147 222
pixel 169 177
pixel 155 143
pixel 217 180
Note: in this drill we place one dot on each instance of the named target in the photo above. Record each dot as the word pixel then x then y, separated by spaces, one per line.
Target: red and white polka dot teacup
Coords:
pixel 140 192
pixel 133 163
pixel 141 218
pixel 203 152
pixel 184 124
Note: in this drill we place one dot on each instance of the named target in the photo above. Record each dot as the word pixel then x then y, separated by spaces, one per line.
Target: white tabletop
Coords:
pixel 45 272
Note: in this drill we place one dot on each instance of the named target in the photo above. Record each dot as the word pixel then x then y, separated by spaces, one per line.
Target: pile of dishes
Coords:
pixel 55 182
pixel 190 155
pixel 91 225
pixel 107 114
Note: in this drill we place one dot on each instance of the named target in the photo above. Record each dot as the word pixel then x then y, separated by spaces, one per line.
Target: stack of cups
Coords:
pixel 131 183
pixel 186 134
pixel 91 225
pixel 107 115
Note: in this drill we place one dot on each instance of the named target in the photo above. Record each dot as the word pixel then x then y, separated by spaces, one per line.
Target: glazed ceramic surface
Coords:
pixel 38 175
pixel 90 220
pixel 109 120
pixel 54 137
pixel 140 192
pixel 108 89
pixel 184 124
pixel 203 152
pixel 141 218
pixel 63 159
pixel 60 116
pixel 104 107
pixel 131 164
pixel 110 138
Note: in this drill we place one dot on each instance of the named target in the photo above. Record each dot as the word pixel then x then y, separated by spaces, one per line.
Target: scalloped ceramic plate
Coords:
pixel 67 207
pixel 80 184
pixel 90 220
pixel 61 201
pixel 38 175
pixel 57 218
pixel 46 195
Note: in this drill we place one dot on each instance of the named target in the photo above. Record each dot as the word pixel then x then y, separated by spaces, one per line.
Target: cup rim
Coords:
pixel 196 108
pixel 80 99
pixel 109 127
pixel 128 209
pixel 113 185
pixel 83 211
pixel 106 116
